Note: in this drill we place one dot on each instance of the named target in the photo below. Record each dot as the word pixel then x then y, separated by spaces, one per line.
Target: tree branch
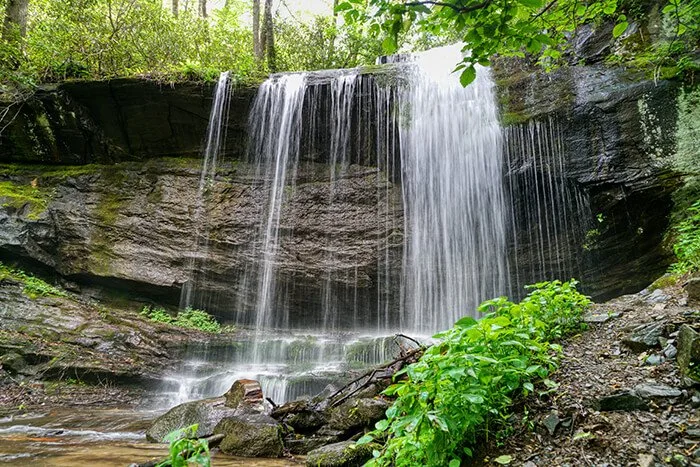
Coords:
pixel 457 8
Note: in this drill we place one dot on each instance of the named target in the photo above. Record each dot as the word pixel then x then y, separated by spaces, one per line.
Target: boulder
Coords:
pixel 245 393
pixel 645 337
pixel 688 355
pixel 251 435
pixel 692 288
pixel 656 391
pixel 306 421
pixel 302 445
pixel 205 413
pixel 343 454
pixel 356 414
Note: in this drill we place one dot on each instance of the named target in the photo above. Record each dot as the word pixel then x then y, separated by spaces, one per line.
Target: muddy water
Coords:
pixel 94 437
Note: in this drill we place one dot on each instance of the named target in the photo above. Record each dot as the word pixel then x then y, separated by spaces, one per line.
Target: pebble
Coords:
pixel 654 360
pixel 645 460
pixel 670 351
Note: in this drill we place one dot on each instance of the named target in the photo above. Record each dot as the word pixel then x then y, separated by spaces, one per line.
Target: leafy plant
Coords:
pixel 538 28
pixel 687 245
pixel 461 388
pixel 188 318
pixel 185 451
pixel 33 286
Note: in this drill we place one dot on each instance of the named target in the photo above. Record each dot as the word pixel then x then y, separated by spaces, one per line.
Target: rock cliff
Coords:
pixel 99 185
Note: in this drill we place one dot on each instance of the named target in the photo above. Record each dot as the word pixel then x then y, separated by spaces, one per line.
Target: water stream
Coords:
pixel 107 438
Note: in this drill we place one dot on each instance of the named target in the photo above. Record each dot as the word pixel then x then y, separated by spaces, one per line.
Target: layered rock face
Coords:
pixel 111 121
pixel 595 204
pixel 134 226
pixel 608 138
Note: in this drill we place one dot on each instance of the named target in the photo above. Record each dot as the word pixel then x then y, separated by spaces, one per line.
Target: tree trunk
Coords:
pixel 15 26
pixel 202 8
pixel 176 7
pixel 269 42
pixel 257 43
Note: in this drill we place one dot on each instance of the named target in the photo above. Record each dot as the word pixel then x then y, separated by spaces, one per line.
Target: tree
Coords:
pixel 268 35
pixel 15 25
pixel 202 8
pixel 487 27
pixel 175 7
pixel 257 45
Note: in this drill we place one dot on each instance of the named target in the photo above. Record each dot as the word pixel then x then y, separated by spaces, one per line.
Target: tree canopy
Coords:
pixel 51 40
pixel 540 28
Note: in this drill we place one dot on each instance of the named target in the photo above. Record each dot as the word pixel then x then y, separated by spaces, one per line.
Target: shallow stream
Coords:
pixel 91 436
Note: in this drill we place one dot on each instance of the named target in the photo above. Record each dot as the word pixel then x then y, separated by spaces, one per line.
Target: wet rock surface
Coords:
pixel 117 120
pixel 206 414
pixel 344 454
pixel 132 228
pixel 68 350
pixel 611 407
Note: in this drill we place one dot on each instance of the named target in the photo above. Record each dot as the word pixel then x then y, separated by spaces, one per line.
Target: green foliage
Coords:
pixel 104 38
pixel 664 50
pixel 33 286
pixel 326 45
pixel 461 389
pixel 94 39
pixel 188 318
pixel 185 451
pixel 687 245
pixel 487 28
pixel 538 28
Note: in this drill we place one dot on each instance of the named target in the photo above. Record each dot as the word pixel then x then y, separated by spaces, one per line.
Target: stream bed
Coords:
pixel 91 436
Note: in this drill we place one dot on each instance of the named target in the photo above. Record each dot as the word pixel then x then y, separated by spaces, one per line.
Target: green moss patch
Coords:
pixel 18 196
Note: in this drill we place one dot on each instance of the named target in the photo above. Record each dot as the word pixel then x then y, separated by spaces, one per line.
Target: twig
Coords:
pixel 410 339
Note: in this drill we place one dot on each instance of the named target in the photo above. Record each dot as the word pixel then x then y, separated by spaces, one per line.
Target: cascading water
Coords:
pixel 451 153
pixel 411 125
pixel 216 136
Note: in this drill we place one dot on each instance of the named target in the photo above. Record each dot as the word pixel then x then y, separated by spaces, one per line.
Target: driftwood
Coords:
pixel 383 372
pixel 212 441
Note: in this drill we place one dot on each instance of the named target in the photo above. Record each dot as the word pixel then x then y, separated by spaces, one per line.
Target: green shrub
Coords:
pixel 197 319
pixel 33 286
pixel 188 318
pixel 460 390
pixel 185 451
pixel 687 245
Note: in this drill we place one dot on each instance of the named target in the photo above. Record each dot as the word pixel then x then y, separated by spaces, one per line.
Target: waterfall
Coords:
pixel 216 136
pixel 275 124
pixel 451 153
pixel 550 212
pixel 448 189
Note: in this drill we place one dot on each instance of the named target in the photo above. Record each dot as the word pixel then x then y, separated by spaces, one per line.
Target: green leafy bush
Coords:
pixel 687 245
pixel 461 389
pixel 33 286
pixel 188 318
pixel 185 451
